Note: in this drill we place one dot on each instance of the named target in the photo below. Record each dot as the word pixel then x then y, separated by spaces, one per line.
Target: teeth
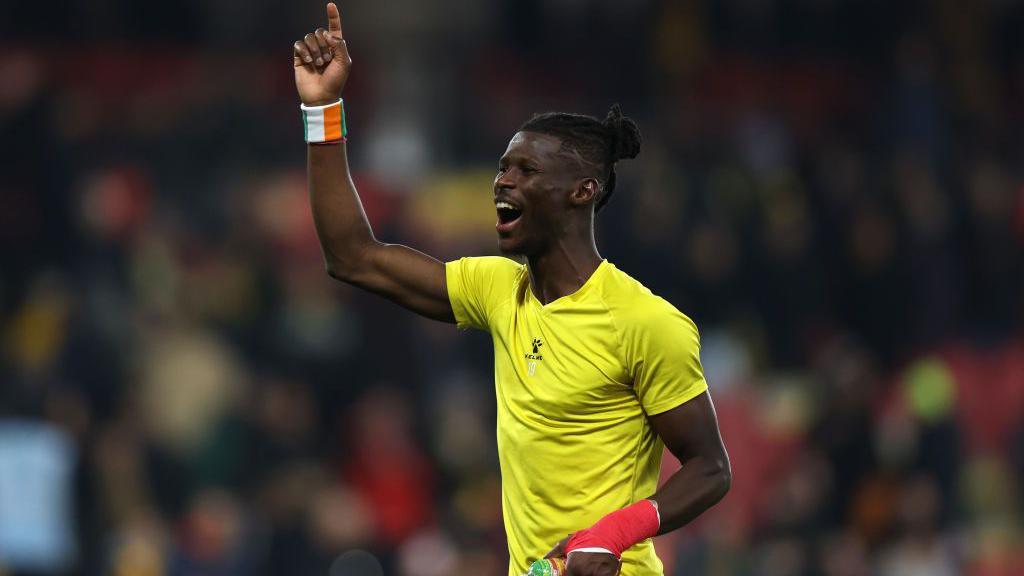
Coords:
pixel 505 205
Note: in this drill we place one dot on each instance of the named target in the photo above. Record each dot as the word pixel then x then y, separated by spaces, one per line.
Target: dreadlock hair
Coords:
pixel 599 142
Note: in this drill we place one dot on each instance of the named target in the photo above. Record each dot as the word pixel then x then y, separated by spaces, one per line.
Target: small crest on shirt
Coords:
pixel 534 356
pixel 537 345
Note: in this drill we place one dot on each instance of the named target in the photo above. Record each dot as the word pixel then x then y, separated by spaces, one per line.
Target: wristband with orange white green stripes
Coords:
pixel 325 124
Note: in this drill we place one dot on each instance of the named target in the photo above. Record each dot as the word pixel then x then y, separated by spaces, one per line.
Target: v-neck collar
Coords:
pixel 573 297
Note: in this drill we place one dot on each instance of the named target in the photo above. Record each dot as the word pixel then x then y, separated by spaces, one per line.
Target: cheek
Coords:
pixel 542 225
pixel 548 199
pixel 551 206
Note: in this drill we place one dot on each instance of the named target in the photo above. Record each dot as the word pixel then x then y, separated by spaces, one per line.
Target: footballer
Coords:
pixel 594 374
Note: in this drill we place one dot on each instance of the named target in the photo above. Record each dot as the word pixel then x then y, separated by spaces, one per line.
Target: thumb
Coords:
pixel 559 550
pixel 339 50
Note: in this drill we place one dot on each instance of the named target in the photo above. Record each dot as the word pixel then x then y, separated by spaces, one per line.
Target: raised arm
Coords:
pixel 351 252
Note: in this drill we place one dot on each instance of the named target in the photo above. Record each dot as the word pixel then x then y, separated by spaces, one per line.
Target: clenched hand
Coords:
pixel 322 62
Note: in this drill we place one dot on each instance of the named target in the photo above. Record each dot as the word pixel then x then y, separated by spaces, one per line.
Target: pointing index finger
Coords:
pixel 333 20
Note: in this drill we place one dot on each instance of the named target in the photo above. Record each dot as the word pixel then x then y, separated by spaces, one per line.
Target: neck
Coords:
pixel 564 267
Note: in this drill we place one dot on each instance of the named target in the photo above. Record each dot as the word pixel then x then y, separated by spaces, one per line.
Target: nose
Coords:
pixel 503 181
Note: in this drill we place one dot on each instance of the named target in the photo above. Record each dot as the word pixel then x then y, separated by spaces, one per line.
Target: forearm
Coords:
pixel 690 431
pixel 697 486
pixel 341 223
pixel 351 253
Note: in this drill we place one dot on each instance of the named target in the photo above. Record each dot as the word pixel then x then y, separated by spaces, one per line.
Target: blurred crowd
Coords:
pixel 832 190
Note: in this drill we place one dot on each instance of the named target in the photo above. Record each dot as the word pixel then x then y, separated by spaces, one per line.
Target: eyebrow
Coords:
pixel 564 151
pixel 510 158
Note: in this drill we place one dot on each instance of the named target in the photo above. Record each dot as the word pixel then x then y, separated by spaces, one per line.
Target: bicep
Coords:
pixel 407 277
pixel 691 430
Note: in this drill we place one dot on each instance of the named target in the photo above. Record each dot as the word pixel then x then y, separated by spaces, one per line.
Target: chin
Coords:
pixel 513 245
pixel 509 246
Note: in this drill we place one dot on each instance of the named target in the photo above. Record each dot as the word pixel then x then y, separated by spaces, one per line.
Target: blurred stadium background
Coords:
pixel 832 189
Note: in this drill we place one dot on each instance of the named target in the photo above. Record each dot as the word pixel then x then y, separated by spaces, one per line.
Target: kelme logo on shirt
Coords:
pixel 535 356
pixel 537 343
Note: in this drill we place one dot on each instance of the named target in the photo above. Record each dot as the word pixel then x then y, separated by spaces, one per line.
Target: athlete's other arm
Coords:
pixel 690 432
pixel 351 252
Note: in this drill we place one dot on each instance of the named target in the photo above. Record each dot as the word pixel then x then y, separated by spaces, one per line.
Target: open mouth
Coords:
pixel 507 213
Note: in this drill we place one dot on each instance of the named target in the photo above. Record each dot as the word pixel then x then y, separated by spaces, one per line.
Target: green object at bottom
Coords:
pixel 547 567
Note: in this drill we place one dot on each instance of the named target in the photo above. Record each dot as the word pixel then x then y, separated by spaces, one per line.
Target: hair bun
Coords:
pixel 625 134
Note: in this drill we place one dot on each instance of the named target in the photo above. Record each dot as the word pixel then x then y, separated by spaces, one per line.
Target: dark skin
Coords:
pixel 556 191
pixel 690 432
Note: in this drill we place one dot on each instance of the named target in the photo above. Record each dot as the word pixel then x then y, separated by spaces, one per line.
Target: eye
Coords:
pixel 528 169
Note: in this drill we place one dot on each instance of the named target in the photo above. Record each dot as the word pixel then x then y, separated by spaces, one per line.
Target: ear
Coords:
pixel 585 191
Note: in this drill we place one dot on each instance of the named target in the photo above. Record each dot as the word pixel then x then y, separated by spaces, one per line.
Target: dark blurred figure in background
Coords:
pixel 183 391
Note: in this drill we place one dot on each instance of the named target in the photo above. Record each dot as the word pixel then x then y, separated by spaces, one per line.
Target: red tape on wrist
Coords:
pixel 619 530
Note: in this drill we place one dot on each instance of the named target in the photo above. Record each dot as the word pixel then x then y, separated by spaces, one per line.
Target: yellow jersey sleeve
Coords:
pixel 662 349
pixel 479 286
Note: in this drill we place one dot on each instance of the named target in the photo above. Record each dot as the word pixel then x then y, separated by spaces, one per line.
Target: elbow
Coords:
pixel 347 269
pixel 717 476
pixel 343 273
pixel 722 478
pixel 724 482
pixel 337 271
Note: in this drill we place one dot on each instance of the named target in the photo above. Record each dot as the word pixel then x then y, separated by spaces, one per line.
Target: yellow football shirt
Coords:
pixel 575 380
